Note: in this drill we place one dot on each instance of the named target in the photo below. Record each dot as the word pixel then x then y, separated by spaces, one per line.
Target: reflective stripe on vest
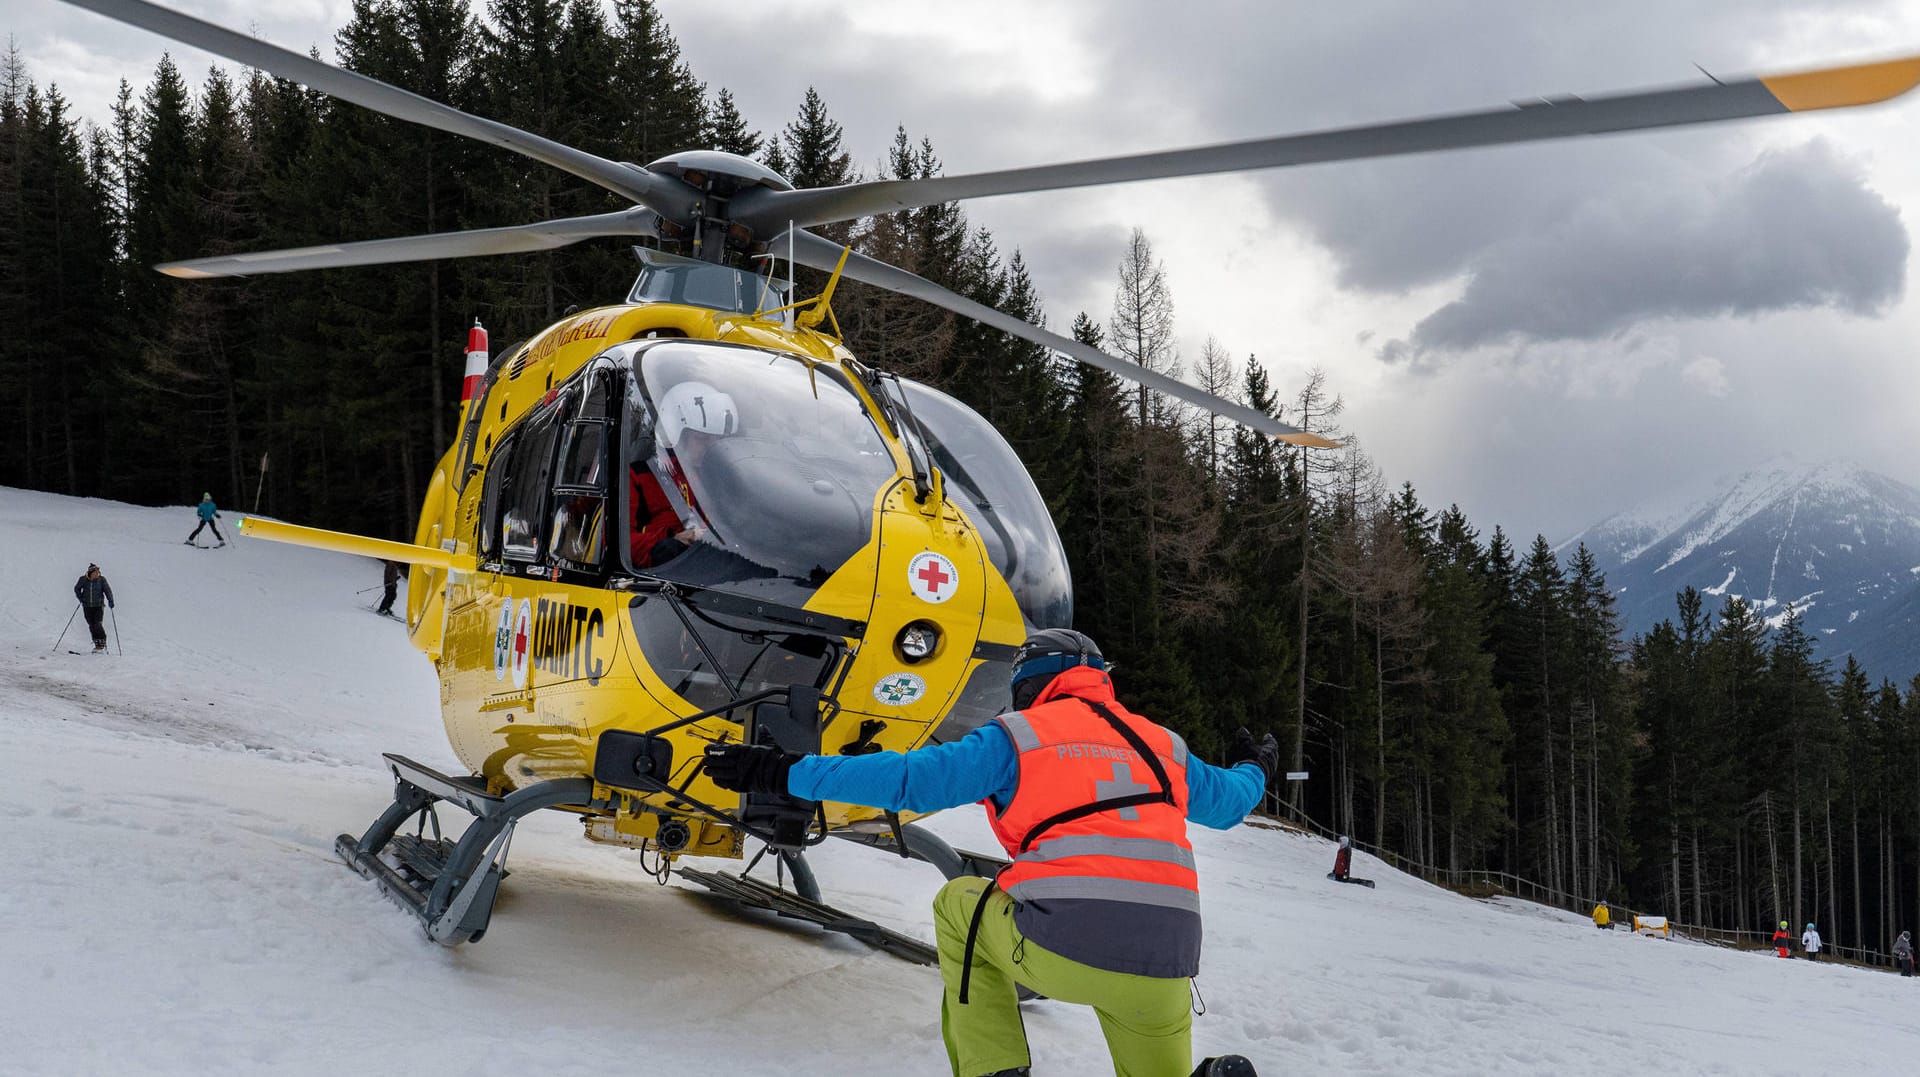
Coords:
pixel 1093 888
pixel 1123 848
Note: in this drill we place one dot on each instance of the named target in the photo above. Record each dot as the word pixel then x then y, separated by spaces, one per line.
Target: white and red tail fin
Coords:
pixel 476 363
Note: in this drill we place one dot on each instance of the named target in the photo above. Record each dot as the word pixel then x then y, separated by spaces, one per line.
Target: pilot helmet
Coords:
pixel 699 407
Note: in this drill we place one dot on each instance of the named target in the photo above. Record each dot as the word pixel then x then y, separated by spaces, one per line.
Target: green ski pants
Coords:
pixel 1147 1020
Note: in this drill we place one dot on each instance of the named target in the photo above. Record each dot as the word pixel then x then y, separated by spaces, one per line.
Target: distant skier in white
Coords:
pixel 1810 941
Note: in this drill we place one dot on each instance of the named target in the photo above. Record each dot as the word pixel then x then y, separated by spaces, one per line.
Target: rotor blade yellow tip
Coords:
pixel 1842 87
pixel 182 272
pixel 1310 441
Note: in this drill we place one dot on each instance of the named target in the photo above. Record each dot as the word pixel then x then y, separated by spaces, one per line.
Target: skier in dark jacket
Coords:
pixel 208 514
pixel 1782 942
pixel 96 597
pixel 390 579
pixel 1903 953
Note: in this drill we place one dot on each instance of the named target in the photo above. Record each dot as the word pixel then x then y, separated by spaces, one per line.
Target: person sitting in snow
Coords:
pixel 1343 860
pixel 1903 953
pixel 1810 940
pixel 1603 916
pixel 1782 941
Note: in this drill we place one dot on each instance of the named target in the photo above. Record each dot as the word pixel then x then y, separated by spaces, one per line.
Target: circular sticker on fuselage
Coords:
pixel 932 578
pixel 503 641
pixel 899 689
pixel 522 639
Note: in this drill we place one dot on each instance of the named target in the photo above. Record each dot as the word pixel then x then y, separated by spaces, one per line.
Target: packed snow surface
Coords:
pixel 172 905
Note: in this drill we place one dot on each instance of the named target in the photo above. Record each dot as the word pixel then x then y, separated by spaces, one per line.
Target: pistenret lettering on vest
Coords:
pixel 1084 750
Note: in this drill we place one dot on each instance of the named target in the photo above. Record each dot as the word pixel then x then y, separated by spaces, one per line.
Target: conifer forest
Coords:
pixel 1461 696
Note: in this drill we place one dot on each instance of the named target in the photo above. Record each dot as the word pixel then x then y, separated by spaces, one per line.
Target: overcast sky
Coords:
pixel 1543 334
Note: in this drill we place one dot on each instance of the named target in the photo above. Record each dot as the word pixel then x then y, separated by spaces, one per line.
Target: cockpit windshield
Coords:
pixel 986 479
pixel 748 470
pixel 666 278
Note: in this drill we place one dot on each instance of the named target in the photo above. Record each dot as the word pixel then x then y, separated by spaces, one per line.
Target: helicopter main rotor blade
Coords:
pixel 514 239
pixel 628 181
pixel 822 253
pixel 767 210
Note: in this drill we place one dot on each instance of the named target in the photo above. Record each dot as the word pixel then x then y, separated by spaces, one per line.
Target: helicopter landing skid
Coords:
pixel 746 892
pixel 449 884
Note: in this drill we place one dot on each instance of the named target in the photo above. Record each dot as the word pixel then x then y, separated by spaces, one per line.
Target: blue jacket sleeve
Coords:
pixel 1220 797
pixel 980 765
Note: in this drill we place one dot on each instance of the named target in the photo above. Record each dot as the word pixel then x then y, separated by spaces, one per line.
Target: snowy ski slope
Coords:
pixel 171 904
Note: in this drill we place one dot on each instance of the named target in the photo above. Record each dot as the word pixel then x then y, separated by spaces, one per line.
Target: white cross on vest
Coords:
pixel 1121 785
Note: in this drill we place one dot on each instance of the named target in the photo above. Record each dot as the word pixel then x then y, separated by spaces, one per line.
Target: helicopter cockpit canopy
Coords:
pixel 770 466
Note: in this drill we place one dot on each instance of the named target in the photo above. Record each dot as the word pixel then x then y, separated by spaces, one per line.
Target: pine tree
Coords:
pixel 1539 698
pixel 727 130
pixel 1457 781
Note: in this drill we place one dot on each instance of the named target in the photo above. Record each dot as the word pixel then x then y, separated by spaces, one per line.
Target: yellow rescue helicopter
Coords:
pixel 694 516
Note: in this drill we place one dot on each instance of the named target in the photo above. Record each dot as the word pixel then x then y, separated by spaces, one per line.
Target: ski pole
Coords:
pixel 116 632
pixel 364 590
pixel 63 632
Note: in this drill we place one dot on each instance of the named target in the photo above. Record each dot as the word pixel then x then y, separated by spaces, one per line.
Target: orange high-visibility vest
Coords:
pixel 1102 872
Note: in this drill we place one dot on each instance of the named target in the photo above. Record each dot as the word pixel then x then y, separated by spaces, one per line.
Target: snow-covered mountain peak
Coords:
pixel 1829 537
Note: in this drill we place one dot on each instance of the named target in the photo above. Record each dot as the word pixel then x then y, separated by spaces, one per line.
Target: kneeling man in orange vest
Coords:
pixel 1101 904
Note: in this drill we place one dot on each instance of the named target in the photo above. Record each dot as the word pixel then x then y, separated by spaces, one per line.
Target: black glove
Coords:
pixel 1265 755
pixel 750 768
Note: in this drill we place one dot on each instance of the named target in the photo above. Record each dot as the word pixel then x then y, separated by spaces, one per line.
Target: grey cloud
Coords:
pixel 1795 229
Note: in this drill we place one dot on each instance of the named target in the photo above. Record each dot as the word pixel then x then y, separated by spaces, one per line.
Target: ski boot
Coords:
pixel 1225 1066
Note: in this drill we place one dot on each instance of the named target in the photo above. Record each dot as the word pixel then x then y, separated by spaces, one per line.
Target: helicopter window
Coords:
pixel 700 285
pixel 986 479
pixel 526 484
pixel 580 496
pixel 766 470
pixel 729 657
pixel 580 486
pixel 489 537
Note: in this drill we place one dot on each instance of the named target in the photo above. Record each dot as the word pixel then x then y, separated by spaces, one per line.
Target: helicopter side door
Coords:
pixel 542 628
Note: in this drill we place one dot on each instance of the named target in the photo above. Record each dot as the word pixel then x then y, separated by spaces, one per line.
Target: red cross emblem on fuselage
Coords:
pixel 929 575
pixel 933 577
